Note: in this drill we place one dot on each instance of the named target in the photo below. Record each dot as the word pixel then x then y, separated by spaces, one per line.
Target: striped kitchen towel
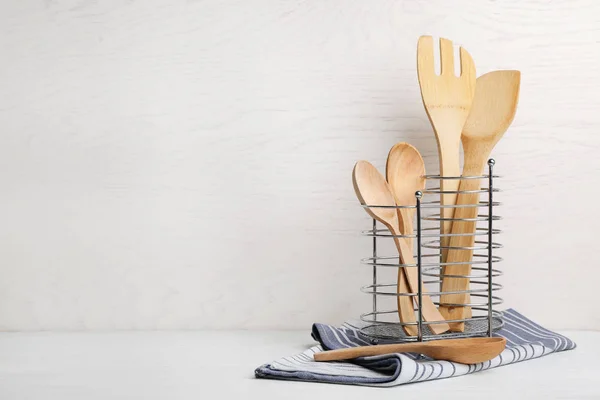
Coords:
pixel 525 340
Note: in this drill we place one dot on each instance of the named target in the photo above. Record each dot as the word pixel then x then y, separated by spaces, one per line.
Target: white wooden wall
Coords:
pixel 168 164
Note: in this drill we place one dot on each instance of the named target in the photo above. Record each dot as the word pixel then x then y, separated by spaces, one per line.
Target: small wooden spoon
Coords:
pixel 405 172
pixel 464 351
pixel 372 189
pixel 493 110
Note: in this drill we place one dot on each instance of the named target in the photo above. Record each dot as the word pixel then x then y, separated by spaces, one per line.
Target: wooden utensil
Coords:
pixel 372 189
pixel 464 351
pixel 447 99
pixel 405 172
pixel 492 112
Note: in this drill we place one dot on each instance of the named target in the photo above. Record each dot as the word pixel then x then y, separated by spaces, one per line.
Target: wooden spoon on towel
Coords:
pixel 464 351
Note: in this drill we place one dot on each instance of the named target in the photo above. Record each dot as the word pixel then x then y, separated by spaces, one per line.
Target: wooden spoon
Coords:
pixel 492 112
pixel 464 351
pixel 372 189
pixel 405 172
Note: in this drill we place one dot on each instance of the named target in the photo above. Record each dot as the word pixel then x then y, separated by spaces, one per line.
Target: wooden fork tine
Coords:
pixel 425 63
pixel 467 66
pixel 447 57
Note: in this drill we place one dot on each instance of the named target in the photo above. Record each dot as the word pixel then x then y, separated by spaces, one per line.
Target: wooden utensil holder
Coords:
pixel 483 320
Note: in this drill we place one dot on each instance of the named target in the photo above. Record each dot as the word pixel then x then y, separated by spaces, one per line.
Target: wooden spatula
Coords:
pixel 447 99
pixel 492 112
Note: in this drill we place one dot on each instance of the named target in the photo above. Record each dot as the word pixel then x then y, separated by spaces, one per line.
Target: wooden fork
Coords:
pixel 447 99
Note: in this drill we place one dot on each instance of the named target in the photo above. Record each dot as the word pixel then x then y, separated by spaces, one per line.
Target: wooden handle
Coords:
pixel 406 311
pixel 449 166
pixel 365 351
pixel 428 309
pixel 449 284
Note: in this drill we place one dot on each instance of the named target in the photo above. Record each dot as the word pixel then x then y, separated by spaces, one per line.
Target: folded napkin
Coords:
pixel 525 340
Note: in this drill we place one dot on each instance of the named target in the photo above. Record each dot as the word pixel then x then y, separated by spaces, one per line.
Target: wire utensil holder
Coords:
pixel 382 324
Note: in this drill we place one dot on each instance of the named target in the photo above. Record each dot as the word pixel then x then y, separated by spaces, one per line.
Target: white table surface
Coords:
pixel 196 365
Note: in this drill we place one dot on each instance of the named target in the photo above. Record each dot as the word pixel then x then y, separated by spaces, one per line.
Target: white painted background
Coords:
pixel 169 164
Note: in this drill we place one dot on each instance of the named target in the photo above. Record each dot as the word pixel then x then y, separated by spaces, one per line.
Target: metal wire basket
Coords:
pixel 384 324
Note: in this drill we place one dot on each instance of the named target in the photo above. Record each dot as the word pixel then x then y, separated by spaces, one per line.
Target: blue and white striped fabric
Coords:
pixel 525 340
